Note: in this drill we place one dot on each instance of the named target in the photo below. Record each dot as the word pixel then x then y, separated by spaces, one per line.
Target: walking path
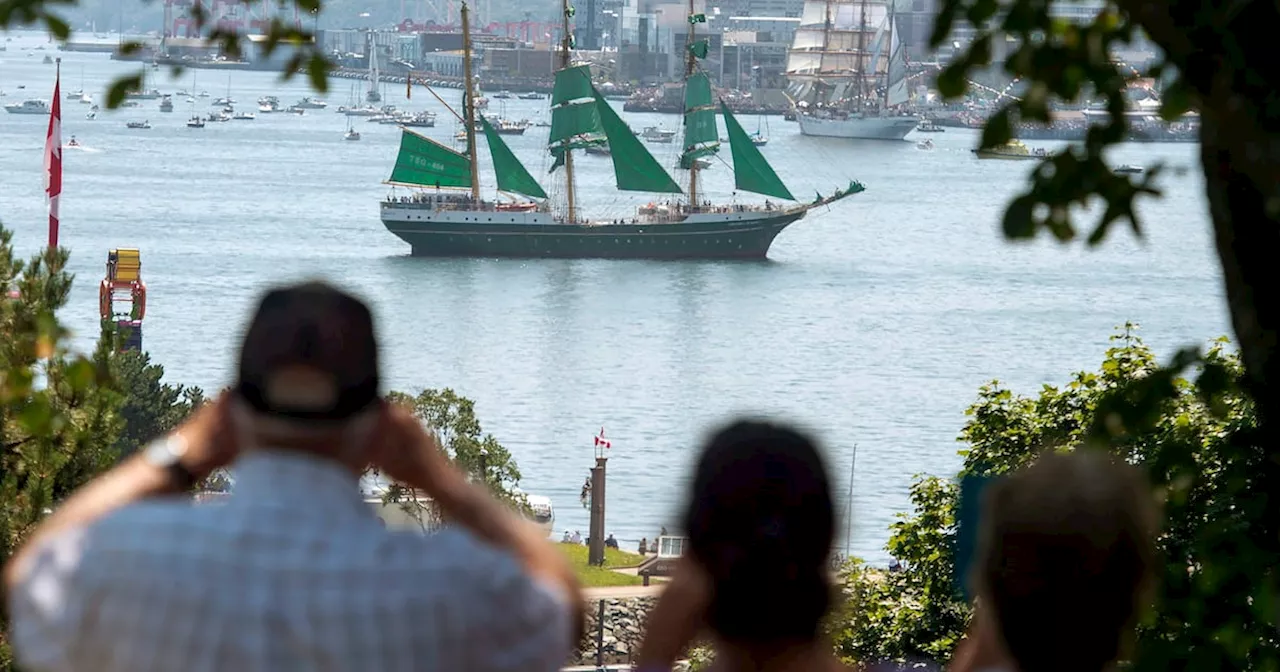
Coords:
pixel 623 592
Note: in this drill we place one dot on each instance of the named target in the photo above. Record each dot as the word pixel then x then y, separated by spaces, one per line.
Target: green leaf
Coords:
pixel 56 26
pixel 129 48
pixel 953 81
pixel 1018 223
pixel 121 88
pixel 1175 100
pixel 81 375
pixel 318 72
pixel 998 130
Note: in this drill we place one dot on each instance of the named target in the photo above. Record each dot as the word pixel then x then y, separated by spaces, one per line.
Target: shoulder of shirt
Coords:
pixel 470 559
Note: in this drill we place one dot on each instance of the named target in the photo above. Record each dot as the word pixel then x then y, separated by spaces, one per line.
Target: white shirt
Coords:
pixel 294 572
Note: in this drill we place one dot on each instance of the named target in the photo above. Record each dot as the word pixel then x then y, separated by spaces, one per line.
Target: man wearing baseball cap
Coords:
pixel 295 571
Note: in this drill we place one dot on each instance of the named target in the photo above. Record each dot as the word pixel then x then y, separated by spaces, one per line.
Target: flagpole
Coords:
pixel 53 157
pixel 848 512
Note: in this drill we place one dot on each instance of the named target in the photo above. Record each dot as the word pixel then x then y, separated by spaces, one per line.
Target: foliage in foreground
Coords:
pixel 151 407
pixel 58 419
pixel 1194 439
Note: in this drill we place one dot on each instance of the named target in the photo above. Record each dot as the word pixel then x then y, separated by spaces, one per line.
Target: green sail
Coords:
pixel 423 162
pixel 633 165
pixel 751 172
pixel 575 121
pixel 571 84
pixel 700 135
pixel 512 175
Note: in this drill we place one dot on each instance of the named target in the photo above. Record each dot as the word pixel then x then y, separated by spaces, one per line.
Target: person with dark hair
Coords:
pixel 1064 568
pixel 295 571
pixel 760 526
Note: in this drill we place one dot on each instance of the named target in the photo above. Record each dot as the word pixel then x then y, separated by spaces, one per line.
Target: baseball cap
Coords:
pixel 309 354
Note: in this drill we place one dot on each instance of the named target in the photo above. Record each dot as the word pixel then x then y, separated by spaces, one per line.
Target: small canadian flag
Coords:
pixel 601 441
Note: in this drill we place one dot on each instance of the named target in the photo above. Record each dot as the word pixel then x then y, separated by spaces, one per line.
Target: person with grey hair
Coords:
pixel 295 571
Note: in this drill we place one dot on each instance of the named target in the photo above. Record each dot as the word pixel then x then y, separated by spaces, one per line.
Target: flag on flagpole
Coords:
pixel 600 440
pixel 53 157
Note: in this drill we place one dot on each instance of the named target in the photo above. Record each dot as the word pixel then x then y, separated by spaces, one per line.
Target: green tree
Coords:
pixel 151 407
pixel 478 454
pixel 1189 443
pixel 58 421
pixel 1226 72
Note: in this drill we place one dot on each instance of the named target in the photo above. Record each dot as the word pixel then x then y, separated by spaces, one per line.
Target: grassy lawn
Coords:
pixel 595 577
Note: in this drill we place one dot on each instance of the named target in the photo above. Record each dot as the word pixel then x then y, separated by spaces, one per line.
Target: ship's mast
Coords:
pixel 826 44
pixel 566 43
pixel 862 56
pixel 469 104
pixel 889 60
pixel 691 63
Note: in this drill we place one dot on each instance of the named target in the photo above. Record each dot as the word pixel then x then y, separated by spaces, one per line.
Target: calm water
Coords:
pixel 873 323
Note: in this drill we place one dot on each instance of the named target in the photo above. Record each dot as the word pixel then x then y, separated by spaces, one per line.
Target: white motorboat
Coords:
pixel 32 106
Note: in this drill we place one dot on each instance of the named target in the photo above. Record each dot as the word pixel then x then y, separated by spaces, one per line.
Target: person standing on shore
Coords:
pixel 760 525
pixel 294 572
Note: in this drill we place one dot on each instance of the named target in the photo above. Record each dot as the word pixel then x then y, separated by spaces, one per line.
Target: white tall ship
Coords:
pixel 847 71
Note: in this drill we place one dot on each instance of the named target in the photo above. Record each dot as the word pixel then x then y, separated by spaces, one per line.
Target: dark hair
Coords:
pixel 760 523
pixel 1066 559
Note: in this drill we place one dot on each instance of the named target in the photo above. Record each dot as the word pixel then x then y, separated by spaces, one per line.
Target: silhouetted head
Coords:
pixel 1065 560
pixel 308 374
pixel 760 524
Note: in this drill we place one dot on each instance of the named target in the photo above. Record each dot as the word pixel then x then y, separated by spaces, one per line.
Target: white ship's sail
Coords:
pixel 842 42
pixel 847 69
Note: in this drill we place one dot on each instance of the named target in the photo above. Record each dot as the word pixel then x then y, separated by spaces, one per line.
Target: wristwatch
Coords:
pixel 165 453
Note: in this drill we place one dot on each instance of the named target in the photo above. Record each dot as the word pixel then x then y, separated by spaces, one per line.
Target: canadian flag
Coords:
pixel 601 442
pixel 53 158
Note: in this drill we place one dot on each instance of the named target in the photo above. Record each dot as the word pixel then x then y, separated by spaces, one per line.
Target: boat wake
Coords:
pixel 82 148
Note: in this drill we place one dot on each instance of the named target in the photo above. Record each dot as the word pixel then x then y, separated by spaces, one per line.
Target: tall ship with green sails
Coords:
pixel 444 214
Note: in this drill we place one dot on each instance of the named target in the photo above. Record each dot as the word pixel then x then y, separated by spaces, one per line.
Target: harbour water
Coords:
pixel 873 324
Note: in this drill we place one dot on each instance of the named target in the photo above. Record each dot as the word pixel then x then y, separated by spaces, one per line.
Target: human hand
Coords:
pixel 406 452
pixel 676 620
pixel 210 437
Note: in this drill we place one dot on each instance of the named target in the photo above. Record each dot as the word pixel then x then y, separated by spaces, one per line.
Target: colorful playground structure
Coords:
pixel 123 288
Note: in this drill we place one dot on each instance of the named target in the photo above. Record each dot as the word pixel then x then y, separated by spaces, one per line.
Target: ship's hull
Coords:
pixel 737 235
pixel 858 128
pixel 1005 156
pixel 19 109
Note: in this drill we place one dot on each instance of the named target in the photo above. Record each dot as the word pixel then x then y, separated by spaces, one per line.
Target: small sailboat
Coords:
pixel 759 138
pixel 373 96
pixel 351 134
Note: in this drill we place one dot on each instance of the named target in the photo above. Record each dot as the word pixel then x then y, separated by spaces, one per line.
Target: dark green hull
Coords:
pixel 700 240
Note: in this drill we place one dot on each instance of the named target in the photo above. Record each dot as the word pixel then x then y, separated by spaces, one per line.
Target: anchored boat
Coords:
pixel 445 215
